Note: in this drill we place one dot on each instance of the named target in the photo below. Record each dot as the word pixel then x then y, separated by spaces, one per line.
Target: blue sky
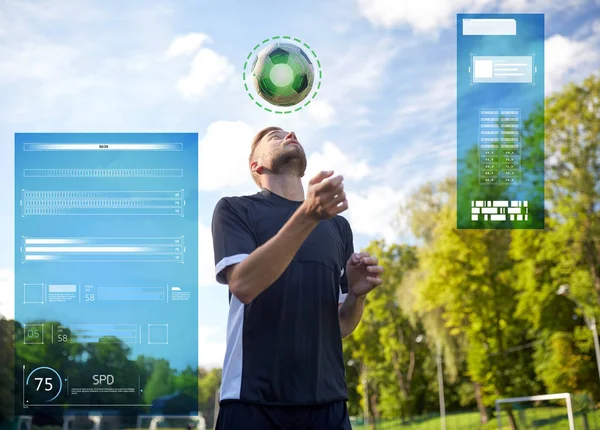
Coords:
pixel 384 118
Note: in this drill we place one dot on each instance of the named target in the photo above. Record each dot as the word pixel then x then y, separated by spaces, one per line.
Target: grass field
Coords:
pixel 538 418
pixel 546 418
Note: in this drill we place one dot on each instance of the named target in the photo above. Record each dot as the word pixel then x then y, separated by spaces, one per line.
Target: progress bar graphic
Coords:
pixel 103 249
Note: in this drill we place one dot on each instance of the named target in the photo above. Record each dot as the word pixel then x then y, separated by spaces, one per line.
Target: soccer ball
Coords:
pixel 283 74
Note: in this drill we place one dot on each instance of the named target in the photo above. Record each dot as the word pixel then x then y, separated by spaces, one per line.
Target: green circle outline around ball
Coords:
pixel 279 39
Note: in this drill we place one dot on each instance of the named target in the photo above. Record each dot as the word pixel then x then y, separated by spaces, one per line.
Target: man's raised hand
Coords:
pixel 325 197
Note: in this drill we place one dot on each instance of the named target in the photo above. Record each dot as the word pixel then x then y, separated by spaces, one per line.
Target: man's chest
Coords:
pixel 325 244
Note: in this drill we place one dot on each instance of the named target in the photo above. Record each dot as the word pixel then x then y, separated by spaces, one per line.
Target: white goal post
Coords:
pixel 154 421
pixel 565 396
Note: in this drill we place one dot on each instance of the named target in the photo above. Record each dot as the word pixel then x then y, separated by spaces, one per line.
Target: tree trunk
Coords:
pixel 511 420
pixel 374 412
pixel 483 411
pixel 586 424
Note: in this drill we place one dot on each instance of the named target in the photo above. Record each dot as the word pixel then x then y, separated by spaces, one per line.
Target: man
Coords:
pixel 296 287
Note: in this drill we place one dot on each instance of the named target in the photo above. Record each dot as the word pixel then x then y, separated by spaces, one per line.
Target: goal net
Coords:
pixel 547 410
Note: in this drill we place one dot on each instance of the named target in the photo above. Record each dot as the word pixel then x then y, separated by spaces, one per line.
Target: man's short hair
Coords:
pixel 255 142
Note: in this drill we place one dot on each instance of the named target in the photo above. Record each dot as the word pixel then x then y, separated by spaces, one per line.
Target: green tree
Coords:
pixel 469 276
pixel 7 360
pixel 386 341
pixel 567 252
pixel 187 382
pixel 572 127
pixel 420 213
pixel 161 381
pixel 208 385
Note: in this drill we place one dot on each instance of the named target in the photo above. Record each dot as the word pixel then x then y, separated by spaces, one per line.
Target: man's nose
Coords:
pixel 291 135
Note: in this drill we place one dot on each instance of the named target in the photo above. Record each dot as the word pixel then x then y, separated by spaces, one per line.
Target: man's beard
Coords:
pixel 288 161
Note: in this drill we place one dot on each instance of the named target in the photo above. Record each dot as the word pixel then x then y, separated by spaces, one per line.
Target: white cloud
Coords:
pixel 520 6
pixel 206 256
pixel 322 111
pixel 568 59
pixel 223 156
pixel 331 157
pixel 187 44
pixel 211 347
pixel 424 16
pixel 430 16
pixel 7 293
pixel 358 71
pixel 437 99
pixel 352 78
pixel 372 211
pixel 209 70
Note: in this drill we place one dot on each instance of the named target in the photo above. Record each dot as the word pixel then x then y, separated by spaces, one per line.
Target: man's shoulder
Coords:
pixel 341 220
pixel 242 204
pixel 343 224
pixel 238 201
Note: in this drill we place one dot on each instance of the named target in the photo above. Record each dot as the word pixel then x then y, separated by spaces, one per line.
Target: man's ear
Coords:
pixel 255 167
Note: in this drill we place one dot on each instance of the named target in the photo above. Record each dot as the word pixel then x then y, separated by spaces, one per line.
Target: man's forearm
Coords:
pixel 261 268
pixel 350 313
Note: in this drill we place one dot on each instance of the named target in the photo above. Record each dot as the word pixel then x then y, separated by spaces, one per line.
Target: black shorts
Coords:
pixel 236 415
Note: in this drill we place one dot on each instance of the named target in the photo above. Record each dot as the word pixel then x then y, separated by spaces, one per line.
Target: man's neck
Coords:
pixel 287 186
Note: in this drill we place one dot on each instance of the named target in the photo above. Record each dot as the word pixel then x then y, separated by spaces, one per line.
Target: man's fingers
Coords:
pixel 375 269
pixel 358 256
pixel 340 208
pixel 369 261
pixel 336 200
pixel 329 185
pixel 374 280
pixel 329 194
pixel 320 177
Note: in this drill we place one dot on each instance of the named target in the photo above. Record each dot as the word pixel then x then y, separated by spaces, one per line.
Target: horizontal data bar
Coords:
pixel 103 173
pixel 130 241
pixel 105 258
pixel 40 203
pixel 103 249
pixel 154 211
pixel 489 27
pixel 102 146
pixel 131 293
pixel 132 297
pixel 128 290
pixel 110 194
pixel 62 288
pixel 94 333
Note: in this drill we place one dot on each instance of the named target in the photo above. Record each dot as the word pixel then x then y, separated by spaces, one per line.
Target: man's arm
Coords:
pixel 265 264
pixel 350 313
pixel 362 276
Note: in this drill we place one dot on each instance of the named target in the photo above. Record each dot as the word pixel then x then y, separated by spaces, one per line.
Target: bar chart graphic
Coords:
pixel 103 249
pixel 105 333
pixel 36 203
pixel 103 173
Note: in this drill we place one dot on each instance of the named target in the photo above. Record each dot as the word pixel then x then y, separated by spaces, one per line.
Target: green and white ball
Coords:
pixel 283 75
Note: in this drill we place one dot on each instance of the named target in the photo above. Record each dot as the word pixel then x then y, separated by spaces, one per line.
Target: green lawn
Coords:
pixel 538 418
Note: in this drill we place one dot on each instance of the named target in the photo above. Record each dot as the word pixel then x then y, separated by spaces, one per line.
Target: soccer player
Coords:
pixel 296 287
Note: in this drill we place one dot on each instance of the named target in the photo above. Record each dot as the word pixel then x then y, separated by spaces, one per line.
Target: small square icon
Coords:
pixel 158 334
pixel 484 69
pixel 34 334
pixel 33 294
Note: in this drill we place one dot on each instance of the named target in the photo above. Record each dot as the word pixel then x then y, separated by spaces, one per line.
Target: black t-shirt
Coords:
pixel 285 347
